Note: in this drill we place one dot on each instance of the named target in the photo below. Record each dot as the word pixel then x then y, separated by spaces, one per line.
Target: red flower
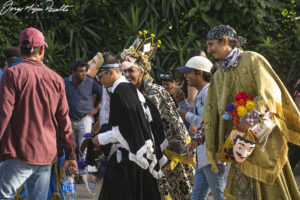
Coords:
pixel 242 102
pixel 235 105
pixel 233 115
pixel 241 95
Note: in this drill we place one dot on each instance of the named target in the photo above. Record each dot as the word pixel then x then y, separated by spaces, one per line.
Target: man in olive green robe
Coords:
pixel 266 174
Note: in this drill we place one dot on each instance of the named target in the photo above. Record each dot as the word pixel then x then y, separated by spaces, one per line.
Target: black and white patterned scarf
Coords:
pixel 232 60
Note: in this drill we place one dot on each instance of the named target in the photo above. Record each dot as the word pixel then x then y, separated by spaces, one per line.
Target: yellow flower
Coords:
pixel 145 31
pixel 140 32
pixel 250 105
pixel 159 42
pixel 188 139
pixel 152 35
pixel 158 45
pixel 242 111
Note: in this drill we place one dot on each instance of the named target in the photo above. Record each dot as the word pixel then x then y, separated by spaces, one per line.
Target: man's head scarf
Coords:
pixel 218 32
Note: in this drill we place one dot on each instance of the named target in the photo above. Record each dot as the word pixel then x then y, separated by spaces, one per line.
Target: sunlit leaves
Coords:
pixel 270 27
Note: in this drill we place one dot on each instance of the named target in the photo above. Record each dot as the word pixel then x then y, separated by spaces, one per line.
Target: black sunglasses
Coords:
pixel 166 76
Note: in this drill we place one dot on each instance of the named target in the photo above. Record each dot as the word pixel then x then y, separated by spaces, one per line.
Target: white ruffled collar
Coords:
pixel 122 79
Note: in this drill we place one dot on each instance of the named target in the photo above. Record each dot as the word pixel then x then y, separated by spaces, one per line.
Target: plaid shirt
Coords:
pixel 254 118
pixel 199 134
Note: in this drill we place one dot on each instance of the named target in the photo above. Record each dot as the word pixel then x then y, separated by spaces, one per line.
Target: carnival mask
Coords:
pixel 242 148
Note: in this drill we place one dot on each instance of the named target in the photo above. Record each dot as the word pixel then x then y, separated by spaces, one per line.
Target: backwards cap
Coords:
pixel 34 37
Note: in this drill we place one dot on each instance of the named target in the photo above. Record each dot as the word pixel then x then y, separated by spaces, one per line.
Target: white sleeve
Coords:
pixel 106 138
pixel 193 119
pixel 184 105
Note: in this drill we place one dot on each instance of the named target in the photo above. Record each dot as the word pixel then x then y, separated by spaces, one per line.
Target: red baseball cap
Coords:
pixel 34 36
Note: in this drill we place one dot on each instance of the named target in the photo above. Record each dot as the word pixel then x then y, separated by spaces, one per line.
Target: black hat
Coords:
pixel 11 52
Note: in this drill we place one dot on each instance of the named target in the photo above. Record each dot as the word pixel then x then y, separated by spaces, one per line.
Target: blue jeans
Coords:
pixel 14 173
pixel 206 179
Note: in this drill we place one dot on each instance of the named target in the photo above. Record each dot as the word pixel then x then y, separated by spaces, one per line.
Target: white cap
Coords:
pixel 196 62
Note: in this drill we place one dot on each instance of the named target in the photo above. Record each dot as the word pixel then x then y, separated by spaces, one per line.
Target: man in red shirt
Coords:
pixel 34 122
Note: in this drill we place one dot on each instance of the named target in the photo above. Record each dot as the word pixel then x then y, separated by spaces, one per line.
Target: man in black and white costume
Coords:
pixel 138 140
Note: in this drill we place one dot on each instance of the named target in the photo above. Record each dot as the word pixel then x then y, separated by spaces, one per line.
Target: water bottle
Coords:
pixel 69 187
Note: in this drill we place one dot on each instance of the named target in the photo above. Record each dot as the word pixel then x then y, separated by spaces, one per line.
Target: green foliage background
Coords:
pixel 272 28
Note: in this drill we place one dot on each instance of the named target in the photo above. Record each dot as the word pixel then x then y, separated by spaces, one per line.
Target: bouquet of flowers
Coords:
pixel 238 146
pixel 238 110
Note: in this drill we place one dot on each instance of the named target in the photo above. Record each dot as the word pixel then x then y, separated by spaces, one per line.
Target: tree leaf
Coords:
pixel 218 5
pixel 192 12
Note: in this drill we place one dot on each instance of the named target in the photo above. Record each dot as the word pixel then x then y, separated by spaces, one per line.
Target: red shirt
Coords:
pixel 34 119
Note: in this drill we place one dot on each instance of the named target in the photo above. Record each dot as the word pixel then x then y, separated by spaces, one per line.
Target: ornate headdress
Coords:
pixel 143 50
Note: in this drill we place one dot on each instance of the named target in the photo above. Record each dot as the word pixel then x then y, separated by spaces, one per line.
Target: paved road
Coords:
pixel 82 193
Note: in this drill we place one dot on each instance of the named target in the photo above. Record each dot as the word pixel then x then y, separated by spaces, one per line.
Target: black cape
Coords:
pixel 141 139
